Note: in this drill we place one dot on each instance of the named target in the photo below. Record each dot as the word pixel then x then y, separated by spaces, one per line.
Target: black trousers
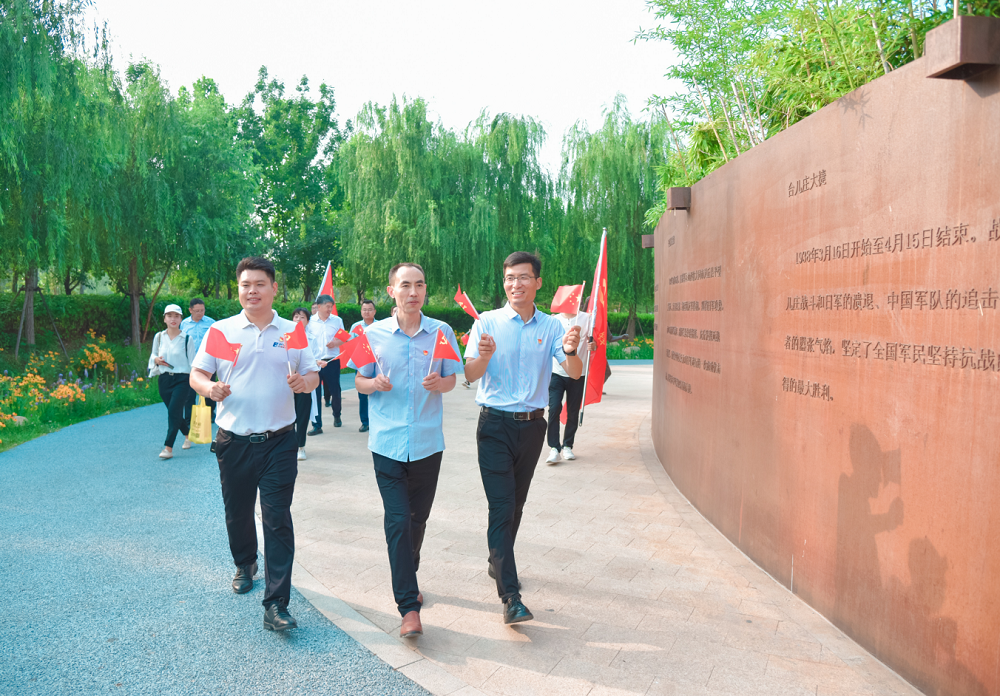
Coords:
pixel 407 490
pixel 573 389
pixel 176 394
pixel 271 467
pixel 363 408
pixel 303 406
pixel 508 453
pixel 329 379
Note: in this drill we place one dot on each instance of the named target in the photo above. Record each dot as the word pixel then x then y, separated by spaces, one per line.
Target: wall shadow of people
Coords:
pixel 861 606
pixel 900 624
pixel 919 606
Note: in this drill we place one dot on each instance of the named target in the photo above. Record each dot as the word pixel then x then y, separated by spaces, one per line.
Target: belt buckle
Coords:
pixel 258 438
pixel 522 416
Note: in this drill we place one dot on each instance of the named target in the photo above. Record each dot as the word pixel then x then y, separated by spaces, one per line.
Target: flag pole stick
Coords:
pixel 231 366
pixel 288 362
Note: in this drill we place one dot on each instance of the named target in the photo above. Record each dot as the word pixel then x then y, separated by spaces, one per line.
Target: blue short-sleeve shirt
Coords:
pixel 518 375
pixel 405 423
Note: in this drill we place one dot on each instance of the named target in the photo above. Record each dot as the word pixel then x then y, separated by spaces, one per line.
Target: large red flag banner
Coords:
pixel 599 322
pixel 567 299
pixel 296 339
pixel 326 287
pixel 465 303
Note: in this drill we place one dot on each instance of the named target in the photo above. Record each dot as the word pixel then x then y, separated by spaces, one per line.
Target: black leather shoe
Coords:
pixel 327 402
pixel 243 580
pixel 315 431
pixel 277 618
pixel 515 612
pixel 337 422
pixel 363 429
pixel 493 574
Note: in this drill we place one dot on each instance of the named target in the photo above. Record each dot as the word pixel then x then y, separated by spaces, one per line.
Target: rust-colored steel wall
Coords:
pixel 828 367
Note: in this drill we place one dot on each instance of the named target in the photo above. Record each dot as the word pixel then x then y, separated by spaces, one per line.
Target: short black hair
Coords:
pixel 255 263
pixel 405 264
pixel 367 301
pixel 324 299
pixel 196 301
pixel 297 310
pixel 519 257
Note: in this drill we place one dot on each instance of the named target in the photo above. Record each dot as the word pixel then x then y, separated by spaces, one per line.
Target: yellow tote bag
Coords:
pixel 201 423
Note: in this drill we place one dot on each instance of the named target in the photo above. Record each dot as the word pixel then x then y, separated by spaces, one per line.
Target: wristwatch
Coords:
pixel 570 354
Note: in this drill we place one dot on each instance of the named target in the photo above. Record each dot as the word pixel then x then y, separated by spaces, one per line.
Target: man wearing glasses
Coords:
pixel 511 350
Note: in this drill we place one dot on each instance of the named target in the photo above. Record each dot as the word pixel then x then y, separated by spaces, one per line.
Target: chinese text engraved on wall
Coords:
pixel 931 238
pixel 806 388
pixel 943 356
pixel 807 183
pixel 849 301
pixel 943 299
pixel 703 334
pixel 695 306
pixel 808 344
pixel 702 274
pixel 679 383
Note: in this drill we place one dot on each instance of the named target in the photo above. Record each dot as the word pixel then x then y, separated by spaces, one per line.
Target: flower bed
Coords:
pixel 49 392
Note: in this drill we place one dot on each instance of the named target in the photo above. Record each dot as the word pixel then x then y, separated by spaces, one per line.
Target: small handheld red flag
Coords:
pixel 362 354
pixel 217 346
pixel 567 299
pixel 342 335
pixel 326 287
pixel 296 339
pixel 359 329
pixel 465 339
pixel 465 303
pixel 443 349
pixel 347 350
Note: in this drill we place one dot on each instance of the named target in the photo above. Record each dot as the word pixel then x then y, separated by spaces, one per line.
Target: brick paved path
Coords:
pixel 633 592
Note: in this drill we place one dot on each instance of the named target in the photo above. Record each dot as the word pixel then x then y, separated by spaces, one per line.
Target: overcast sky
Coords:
pixel 555 60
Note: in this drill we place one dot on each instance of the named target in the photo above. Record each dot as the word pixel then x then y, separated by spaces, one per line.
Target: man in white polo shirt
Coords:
pixel 256 444
pixel 322 331
pixel 512 349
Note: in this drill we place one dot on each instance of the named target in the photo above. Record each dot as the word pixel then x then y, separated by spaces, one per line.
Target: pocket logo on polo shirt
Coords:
pixel 278 344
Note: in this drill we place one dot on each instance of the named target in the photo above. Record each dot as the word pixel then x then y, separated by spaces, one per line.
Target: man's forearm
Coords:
pixel 364 385
pixel 311 379
pixel 573 366
pixel 476 368
pixel 447 384
pixel 201 382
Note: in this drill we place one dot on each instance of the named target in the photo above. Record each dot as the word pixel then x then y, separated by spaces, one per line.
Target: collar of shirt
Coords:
pixel 511 313
pixel 406 422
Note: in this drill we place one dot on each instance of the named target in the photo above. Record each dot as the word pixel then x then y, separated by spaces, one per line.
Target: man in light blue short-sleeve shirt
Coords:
pixel 405 418
pixel 512 350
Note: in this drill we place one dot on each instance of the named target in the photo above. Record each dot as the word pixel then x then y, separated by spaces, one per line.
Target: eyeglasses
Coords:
pixel 522 279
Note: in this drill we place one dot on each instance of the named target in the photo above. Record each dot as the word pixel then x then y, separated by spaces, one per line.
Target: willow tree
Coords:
pixel 43 151
pixel 609 178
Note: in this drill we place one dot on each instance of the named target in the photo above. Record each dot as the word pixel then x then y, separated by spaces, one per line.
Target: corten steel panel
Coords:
pixel 853 450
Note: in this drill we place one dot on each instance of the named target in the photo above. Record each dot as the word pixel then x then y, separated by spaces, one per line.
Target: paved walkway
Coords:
pixel 116 571
pixel 633 591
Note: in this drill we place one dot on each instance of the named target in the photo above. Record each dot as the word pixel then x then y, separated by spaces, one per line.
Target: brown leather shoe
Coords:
pixel 411 627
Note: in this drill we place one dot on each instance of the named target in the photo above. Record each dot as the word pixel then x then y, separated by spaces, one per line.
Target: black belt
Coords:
pixel 520 415
pixel 258 438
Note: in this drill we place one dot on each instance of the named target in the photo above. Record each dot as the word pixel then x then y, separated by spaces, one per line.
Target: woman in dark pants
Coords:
pixel 171 359
pixel 303 402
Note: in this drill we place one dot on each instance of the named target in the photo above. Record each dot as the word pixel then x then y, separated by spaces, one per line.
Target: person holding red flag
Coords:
pixel 405 363
pixel 562 384
pixel 359 327
pixel 511 349
pixel 322 330
pixel 255 444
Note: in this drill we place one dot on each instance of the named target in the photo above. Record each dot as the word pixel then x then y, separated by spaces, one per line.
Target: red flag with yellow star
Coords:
pixel 465 303
pixel 218 347
pixel 567 299
pixel 362 353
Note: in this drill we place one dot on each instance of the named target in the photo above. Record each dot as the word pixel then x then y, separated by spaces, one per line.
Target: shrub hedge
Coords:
pixel 108 315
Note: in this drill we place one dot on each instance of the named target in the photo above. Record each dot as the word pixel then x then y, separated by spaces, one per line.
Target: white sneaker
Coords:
pixel 187 444
pixel 553 456
pixel 302 454
pixel 166 454
pixel 567 454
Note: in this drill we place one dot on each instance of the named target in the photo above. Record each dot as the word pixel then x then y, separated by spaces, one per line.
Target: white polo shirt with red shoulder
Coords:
pixel 261 399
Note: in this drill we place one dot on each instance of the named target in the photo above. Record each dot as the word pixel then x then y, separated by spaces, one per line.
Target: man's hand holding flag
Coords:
pixel 443 350
pixel 295 340
pixel 219 348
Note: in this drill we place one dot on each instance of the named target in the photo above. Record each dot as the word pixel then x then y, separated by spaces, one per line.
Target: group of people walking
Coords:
pixel 262 409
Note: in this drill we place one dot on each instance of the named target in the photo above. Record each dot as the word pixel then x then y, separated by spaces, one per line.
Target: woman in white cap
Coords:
pixel 173 352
